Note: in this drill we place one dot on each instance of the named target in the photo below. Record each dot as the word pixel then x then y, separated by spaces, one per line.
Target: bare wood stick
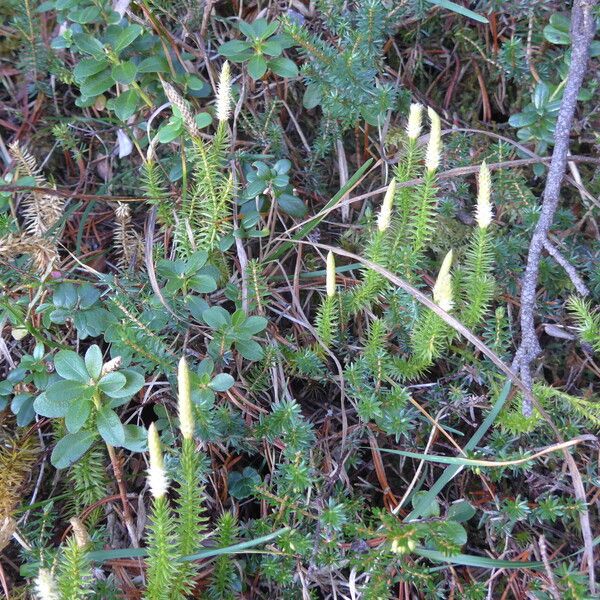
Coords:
pixel 582 33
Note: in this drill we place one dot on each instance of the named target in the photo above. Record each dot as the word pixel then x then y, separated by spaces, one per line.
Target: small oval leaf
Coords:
pixel 72 447
pixel 110 427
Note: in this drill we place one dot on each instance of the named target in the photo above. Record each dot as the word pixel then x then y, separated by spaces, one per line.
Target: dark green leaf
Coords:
pixel 175 285
pixel 222 382
pixel 93 361
pixel 124 73
pixel 431 510
pixel 272 48
pixel 196 261
pixel 263 29
pixel 124 105
pixel 226 242
pixel 88 67
pixel 55 401
pixel 203 284
pixel 541 95
pixel 88 44
pixel 257 66
pixel 46 6
pixel 65 296
pixel 45 408
pixel 247 29
pixel 196 306
pixel 523 119
pixel 203 397
pixel 97 84
pixel 241 485
pixel 22 406
pixel 84 15
pixel 61 42
pixel 112 382
pixel 110 427
pixel 69 365
pixel 105 555
pixel 280 181
pixel 283 166
pixel 238 318
pixel 254 325
pixel 70 448
pixel 459 9
pixel 154 64
pixel 482 562
pixel 555 36
pixel 85 101
pixel 203 120
pixel 206 367
pixel 167 133
pixel 136 439
pixel 230 49
pixel 77 414
pixel 195 84
pixel 127 37
pixel 171 268
pixel 134 382
pixel 560 22
pixel 256 187
pixel 455 533
pixel 284 67
pixel 461 511
pixel 291 205
pixel 87 295
pixel 216 317
pixel 249 349
pixel 312 96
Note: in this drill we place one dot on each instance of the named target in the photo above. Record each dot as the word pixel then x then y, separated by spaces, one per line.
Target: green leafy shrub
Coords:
pixel 261 50
pixel 85 394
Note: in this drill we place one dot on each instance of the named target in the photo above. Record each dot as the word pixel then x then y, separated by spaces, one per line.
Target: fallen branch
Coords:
pixel 582 33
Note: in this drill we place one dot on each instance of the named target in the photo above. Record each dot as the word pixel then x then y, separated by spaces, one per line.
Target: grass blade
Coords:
pixel 472 462
pixel 483 562
pixel 452 470
pixel 458 9
pixel 104 555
